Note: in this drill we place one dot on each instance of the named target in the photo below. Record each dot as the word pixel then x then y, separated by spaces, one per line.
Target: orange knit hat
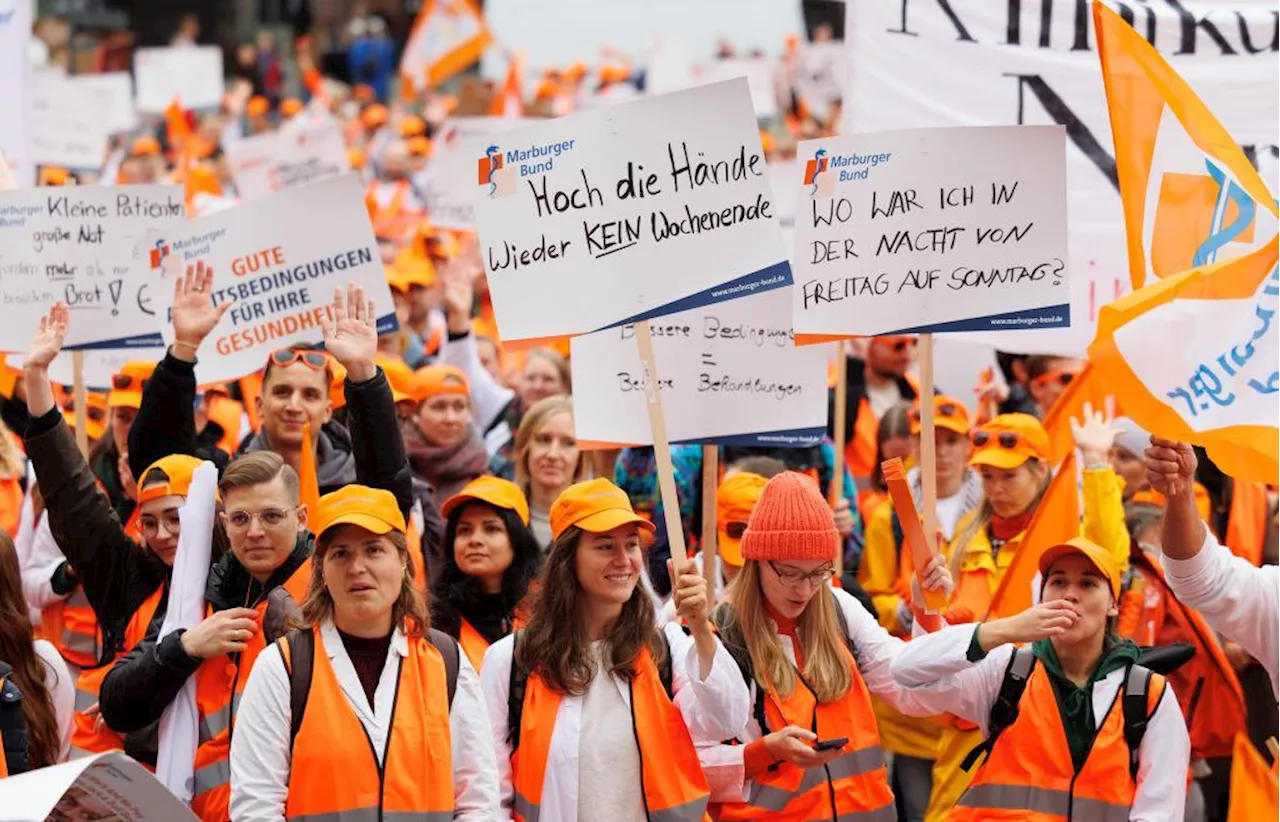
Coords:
pixel 791 522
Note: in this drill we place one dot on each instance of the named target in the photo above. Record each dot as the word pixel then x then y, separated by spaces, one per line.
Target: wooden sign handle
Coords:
pixel 661 447
pixel 836 489
pixel 928 452
pixel 80 398
pixel 710 531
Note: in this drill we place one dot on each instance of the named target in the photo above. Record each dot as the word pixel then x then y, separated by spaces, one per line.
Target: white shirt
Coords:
pixel 607 752
pixel 39 556
pixel 883 398
pixel 713 708
pixel 936 669
pixel 261 750
pixel 62 690
pixel 1238 600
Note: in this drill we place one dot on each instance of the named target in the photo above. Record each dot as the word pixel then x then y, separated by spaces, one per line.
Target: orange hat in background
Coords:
pixel 372 509
pixel 337 391
pixel 413 126
pixel 179 468
pixel 204 178
pixel 576 71
pixel 1009 440
pixel 613 73
pixel 434 380
pixel 356 158
pixel 594 505
pixel 1098 556
pixel 496 491
pixel 948 413
pixel 54 176
pixel 145 146
pixel 290 106
pixel 258 106
pixel 418 146
pixel 768 142
pixel 95 413
pixel 127 384
pixel 399 376
pixel 363 93
pixel 736 498
pixel 374 115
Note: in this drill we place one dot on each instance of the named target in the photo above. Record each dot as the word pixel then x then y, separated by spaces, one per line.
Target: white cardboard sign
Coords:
pixel 449 187
pixel 108 786
pixel 70 122
pixel 92 247
pixel 265 164
pixel 117 87
pixel 279 259
pixel 190 74
pixel 15 89
pixel 638 210
pixel 759 73
pixel 729 372
pixel 949 229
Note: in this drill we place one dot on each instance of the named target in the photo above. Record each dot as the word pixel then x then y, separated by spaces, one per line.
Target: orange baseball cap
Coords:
pixel 372 509
pixel 736 498
pixel 374 115
pixel 95 415
pixel 948 413
pixel 127 384
pixel 356 158
pixel 595 505
pixel 496 491
pixel 413 126
pixel 399 376
pixel 1009 440
pixel 434 380
pixel 179 468
pixel 418 146
pixel 145 146
pixel 1098 556
pixel 337 389
pixel 258 106
pixel 290 106
pixel 415 269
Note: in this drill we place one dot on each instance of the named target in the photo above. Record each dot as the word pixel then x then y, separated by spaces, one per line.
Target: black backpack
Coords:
pixel 520 679
pixel 13 724
pixel 1134 700
pixel 298 648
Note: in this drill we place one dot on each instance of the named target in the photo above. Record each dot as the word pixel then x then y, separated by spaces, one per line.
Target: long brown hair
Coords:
pixel 408 612
pixel 826 661
pixel 555 643
pixel 18 649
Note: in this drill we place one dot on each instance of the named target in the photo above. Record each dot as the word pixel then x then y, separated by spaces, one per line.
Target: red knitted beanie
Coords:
pixel 791 521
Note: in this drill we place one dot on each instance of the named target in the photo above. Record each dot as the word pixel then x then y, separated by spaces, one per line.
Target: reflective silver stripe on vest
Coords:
pixel 854 763
pixel 371 815
pixel 211 776
pixel 526 810
pixel 688 812
pixel 886 814
pixel 213 724
pixel 85 700
pixel 1041 800
pixel 79 643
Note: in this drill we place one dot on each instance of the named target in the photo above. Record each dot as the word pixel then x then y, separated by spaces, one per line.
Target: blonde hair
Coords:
pixel 827 662
pixel 408 612
pixel 11 464
pixel 532 422
pixel 983 515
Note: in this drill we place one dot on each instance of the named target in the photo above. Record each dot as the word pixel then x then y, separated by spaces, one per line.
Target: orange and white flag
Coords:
pixel 448 37
pixel 1190 195
pixel 508 101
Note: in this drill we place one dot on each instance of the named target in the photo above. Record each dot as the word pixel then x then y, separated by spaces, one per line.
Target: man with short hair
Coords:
pixel 875 385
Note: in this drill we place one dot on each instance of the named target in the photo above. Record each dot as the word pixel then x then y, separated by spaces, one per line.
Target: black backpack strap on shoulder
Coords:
pixel 298 648
pixel 1134 701
pixel 665 674
pixel 844 625
pixel 515 695
pixel 448 648
pixel 730 633
pixel 1005 709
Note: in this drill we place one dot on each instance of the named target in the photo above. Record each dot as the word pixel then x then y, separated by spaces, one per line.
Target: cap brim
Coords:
pixel 368 522
pixel 729 549
pixel 998 457
pixel 607 520
pixel 1057 552
pixel 943 422
pixel 124 399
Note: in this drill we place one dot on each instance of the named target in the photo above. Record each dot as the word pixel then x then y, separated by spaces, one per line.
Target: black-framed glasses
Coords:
pixel 792 577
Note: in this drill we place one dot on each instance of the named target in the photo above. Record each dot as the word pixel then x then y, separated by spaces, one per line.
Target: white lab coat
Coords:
pixel 38 556
pixel 713 708
pixel 1238 600
pixel 876 649
pixel 929 661
pixel 261 750
pixel 62 690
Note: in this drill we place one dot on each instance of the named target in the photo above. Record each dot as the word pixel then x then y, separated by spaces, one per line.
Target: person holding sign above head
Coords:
pixel 445 450
pixel 479 590
pixel 594 710
pixel 811 656
pixel 365 711
pixel 1074 728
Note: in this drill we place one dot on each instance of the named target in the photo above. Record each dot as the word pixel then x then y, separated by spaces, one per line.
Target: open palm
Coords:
pixel 1096 433
pixel 194 314
pixel 350 332
pixel 47 342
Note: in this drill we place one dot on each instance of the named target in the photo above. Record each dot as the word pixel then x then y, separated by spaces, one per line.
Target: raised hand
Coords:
pixel 1048 619
pixel 194 314
pixel 351 334
pixel 1094 436
pixel 689 593
pixel 1171 467
pixel 47 342
pixel 459 299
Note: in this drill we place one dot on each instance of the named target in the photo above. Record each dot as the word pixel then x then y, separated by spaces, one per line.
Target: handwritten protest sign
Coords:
pixel 450 181
pixel 267 163
pixel 729 372
pixel 191 74
pixel 92 247
pixel 955 229
pixel 633 211
pixel 280 259
pixel 70 122
pixel 15 89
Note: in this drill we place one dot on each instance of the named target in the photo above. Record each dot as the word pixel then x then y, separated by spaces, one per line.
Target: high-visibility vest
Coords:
pixel 335 772
pixel 473 644
pixel 91 735
pixel 1029 774
pixel 860 451
pixel 675 789
pixel 220 683
pixel 11 496
pixel 72 626
pixel 1247 522
pixel 854 785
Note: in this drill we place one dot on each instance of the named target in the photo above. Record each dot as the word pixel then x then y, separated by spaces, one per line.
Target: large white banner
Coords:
pixel 279 259
pixel 728 372
pixel 635 211
pixel 450 180
pixel 192 75
pixel 920 63
pixel 267 163
pixel 91 247
pixel 15 88
pixel 70 122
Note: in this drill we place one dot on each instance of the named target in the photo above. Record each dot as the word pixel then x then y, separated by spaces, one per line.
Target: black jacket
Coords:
pixel 166 421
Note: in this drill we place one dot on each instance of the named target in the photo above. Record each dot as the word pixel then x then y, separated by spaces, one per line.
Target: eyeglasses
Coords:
pixel 269 518
pixel 735 530
pixel 288 356
pixel 898 344
pixel 1062 376
pixel 792 578
pixel 947 409
pixel 149 526
pixel 1006 439
pixel 123 382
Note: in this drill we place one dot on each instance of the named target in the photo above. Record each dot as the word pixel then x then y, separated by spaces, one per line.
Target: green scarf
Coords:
pixel 1075 704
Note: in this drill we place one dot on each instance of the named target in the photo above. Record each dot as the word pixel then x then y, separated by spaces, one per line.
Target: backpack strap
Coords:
pixel 515 694
pixel 298 648
pixel 665 673
pixel 1005 709
pixel 448 648
pixel 844 625
pixel 1137 712
pixel 731 638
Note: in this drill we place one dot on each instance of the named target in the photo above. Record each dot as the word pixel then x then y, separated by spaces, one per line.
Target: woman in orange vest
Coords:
pixel 1076 729
pixel 482 580
pixel 811 655
pixel 365 712
pixel 594 710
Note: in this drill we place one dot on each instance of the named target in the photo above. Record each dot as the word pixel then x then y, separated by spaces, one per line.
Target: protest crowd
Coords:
pixel 320 501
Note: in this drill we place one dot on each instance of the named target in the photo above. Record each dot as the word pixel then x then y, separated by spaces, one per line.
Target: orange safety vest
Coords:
pixel 1029 775
pixel 675 789
pixel 860 451
pixel 220 682
pixel 91 735
pixel 1247 522
pixel 473 644
pixel 854 785
pixel 334 768
pixel 72 626
pixel 11 496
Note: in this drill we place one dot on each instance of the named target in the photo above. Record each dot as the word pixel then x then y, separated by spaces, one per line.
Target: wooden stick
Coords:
pixel 661 448
pixel 710 532
pixel 836 490
pixel 80 397
pixel 928 453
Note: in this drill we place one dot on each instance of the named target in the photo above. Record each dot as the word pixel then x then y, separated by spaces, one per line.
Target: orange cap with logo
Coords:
pixel 372 509
pixel 736 498
pixel 438 379
pixel 594 505
pixel 179 468
pixel 126 385
pixel 1009 440
pixel 948 413
pixel 1099 557
pixel 496 491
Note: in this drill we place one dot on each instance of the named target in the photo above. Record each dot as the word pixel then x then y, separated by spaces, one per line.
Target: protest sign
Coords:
pixel 267 163
pixel 110 786
pixel 450 180
pixel 759 74
pixel 279 259
pixel 782 179
pixel 635 211
pixel 190 74
pixel 94 248
pixel 729 373
pixel 101 363
pixel 70 122
pixel 820 73
pixel 117 87
pixel 932 230
pixel 15 90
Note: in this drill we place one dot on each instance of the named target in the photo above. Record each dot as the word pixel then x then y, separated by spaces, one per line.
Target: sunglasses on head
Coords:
pixel 288 356
pixel 91 412
pixel 898 344
pixel 947 409
pixel 123 382
pixel 1061 376
pixel 735 530
pixel 1006 439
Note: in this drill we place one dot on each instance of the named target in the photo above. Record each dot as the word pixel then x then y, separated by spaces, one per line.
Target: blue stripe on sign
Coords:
pixel 777 275
pixel 388 323
pixel 141 341
pixel 1053 316
pixel 791 438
